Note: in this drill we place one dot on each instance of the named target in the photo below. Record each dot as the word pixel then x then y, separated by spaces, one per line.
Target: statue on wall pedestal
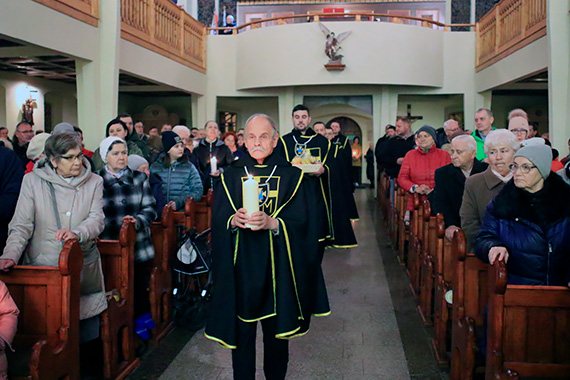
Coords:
pixel 332 47
pixel 28 111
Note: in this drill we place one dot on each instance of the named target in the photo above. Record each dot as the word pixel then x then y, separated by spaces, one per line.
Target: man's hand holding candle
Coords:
pixel 259 220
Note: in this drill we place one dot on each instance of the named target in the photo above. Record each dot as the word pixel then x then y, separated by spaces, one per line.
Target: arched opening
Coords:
pixel 352 130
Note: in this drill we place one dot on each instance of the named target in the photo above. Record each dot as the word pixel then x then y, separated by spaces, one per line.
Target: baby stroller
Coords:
pixel 192 279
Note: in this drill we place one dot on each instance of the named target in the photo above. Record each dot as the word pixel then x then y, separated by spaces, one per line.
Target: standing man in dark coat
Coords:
pixel 395 149
pixel 133 136
pixel 450 181
pixel 295 144
pixel 11 174
pixel 380 146
pixel 22 137
pixel 266 266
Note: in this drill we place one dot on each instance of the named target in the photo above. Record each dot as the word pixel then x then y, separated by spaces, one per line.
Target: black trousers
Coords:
pixel 275 351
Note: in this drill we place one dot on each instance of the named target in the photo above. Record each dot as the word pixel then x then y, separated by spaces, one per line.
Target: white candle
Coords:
pixel 213 164
pixel 250 196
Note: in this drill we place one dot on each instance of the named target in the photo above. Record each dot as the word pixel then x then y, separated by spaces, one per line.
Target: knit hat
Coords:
pixel 36 146
pixel 169 139
pixel 429 130
pixel 62 127
pixel 135 161
pixel 105 144
pixel 539 155
pixel 533 141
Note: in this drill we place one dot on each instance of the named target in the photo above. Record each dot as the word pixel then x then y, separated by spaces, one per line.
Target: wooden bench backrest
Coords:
pixel 164 238
pixel 470 285
pixel 118 258
pixel 48 298
pixel 203 212
pixel 429 227
pixel 528 328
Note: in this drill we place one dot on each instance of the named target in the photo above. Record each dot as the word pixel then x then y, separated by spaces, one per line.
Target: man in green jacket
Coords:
pixel 484 123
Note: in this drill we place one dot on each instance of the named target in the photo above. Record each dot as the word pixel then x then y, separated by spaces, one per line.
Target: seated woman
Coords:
pixel 527 225
pixel 230 139
pixel 138 163
pixel 117 128
pixel 500 147
pixel 59 201
pixel 417 174
pixel 127 195
pixel 180 179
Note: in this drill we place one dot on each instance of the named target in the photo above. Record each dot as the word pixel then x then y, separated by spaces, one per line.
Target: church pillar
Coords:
pixel 384 111
pixel 286 104
pixel 204 108
pixel 98 80
pixel 558 33
pixel 472 101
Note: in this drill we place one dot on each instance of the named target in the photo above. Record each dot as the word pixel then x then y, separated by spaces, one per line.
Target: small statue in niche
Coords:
pixel 332 45
pixel 28 111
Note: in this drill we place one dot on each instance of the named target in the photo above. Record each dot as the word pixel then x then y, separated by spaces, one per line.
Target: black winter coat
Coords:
pixel 205 151
pixel 448 192
pixel 11 174
pixel 396 147
pixel 535 229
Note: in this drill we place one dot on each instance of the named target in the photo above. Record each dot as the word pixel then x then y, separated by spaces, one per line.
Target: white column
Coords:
pixel 98 80
pixel 286 104
pixel 558 34
pixel 448 11
pixel 384 111
pixel 473 11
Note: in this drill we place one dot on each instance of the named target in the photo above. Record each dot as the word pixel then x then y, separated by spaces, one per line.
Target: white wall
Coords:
pixel 433 108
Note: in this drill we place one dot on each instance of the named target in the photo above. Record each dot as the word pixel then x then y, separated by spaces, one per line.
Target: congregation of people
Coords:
pixel 54 190
pixel 505 188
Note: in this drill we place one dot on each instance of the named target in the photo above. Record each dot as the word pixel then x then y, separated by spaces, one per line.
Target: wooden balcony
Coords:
pixel 161 26
pixel 508 27
pixel 82 10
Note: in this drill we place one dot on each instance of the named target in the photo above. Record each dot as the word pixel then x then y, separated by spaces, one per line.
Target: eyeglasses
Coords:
pixel 524 168
pixel 73 158
pixel 519 131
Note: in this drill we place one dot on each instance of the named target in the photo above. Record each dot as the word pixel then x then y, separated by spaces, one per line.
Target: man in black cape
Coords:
pixel 343 156
pixel 303 139
pixel 339 197
pixel 270 272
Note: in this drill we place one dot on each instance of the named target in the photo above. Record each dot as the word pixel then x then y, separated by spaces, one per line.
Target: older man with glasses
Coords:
pixel 22 136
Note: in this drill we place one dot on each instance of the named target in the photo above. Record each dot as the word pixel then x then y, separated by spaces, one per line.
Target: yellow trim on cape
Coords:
pixel 257 319
pixel 221 342
pixel 274 283
pixel 284 148
pixel 322 314
pixel 288 334
pixel 344 246
pixel 291 264
pixel 222 178
pixel 355 220
pixel 274 215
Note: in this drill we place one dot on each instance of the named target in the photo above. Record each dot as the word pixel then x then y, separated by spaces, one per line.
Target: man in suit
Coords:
pixel 450 181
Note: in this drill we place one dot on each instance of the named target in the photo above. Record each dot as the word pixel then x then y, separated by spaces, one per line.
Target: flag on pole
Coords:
pixel 214 24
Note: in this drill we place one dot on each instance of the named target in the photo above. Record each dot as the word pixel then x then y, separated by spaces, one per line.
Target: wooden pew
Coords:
pixel 444 269
pixel 528 329
pixel 160 285
pixel 427 276
pixel 393 218
pixel 117 326
pixel 402 231
pixel 470 297
pixel 48 325
pixel 415 245
pixel 203 213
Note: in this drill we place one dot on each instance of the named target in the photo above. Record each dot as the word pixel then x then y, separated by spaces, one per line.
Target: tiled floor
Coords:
pixel 372 314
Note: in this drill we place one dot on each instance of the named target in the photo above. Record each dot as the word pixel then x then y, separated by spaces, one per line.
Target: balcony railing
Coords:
pixel 508 27
pixel 83 10
pixel 161 26
pixel 347 16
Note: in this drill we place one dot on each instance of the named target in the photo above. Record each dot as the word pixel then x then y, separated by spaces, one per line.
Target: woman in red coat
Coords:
pixel 418 169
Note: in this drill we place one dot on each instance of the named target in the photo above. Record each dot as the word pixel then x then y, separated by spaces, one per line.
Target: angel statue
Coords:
pixel 332 46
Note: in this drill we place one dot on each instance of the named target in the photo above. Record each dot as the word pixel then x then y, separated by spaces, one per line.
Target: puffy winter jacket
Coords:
pixel 419 167
pixel 180 180
pixel 535 229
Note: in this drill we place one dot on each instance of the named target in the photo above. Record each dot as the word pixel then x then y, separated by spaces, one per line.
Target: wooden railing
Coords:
pixel 161 26
pixel 348 16
pixel 508 27
pixel 83 10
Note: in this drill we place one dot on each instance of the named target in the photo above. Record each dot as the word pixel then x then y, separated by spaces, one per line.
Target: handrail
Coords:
pixel 82 10
pixel 163 27
pixel 508 27
pixel 358 17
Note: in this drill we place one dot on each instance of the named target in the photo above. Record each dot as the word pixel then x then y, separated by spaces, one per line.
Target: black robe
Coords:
pixel 258 274
pixel 319 147
pixel 343 156
pixel 343 234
